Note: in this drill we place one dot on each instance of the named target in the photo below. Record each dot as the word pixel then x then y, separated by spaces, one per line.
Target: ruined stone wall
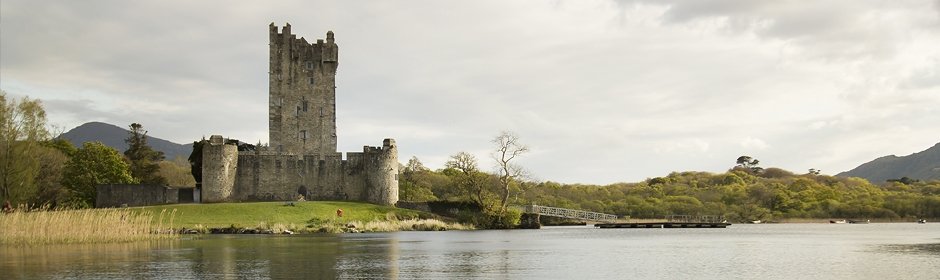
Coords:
pixel 219 167
pixel 301 157
pixel 302 93
pixel 370 176
pixel 134 195
pixel 381 173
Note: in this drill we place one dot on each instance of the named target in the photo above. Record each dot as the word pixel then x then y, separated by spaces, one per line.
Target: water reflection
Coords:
pixel 69 260
pixel 370 257
pixel 261 257
pixel 744 252
pixel 926 249
pixel 212 257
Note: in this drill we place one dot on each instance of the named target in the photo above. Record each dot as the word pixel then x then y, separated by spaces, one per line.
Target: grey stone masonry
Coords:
pixel 301 158
pixel 302 93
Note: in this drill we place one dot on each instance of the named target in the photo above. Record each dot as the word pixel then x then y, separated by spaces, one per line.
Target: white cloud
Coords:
pixel 751 143
pixel 603 91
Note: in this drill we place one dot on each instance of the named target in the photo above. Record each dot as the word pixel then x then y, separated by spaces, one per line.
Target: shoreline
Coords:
pixel 354 226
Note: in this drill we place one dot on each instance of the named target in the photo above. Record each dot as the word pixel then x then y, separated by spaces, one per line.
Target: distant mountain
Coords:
pixel 113 136
pixel 924 165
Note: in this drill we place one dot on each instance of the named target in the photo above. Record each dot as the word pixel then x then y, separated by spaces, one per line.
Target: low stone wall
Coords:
pixel 414 205
pixel 140 195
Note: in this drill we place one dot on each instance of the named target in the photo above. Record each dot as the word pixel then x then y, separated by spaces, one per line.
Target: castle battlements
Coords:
pixel 301 158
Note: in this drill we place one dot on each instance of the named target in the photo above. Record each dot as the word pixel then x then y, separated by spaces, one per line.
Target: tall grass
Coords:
pixel 46 226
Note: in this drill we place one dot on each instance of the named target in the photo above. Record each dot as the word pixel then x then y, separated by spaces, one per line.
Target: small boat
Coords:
pixel 922 221
pixel 754 222
pixel 837 221
pixel 859 221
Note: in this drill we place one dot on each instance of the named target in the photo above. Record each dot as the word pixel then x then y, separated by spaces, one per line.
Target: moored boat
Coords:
pixel 922 221
pixel 859 221
pixel 837 221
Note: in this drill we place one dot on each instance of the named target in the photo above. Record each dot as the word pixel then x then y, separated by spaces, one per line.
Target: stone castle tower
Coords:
pixel 301 158
pixel 302 94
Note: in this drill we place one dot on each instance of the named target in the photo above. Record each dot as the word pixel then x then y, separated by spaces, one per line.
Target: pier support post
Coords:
pixel 530 221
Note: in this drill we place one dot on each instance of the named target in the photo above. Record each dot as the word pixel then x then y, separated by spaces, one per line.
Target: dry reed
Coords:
pixel 45 226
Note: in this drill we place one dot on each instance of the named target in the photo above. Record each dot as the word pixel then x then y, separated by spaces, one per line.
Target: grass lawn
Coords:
pixel 251 214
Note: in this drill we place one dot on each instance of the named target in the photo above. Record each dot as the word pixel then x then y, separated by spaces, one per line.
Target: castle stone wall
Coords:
pixel 135 195
pixel 381 170
pixel 301 158
pixel 270 176
pixel 219 167
pixel 302 93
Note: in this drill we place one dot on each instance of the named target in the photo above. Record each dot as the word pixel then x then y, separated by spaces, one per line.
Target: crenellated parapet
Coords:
pixel 302 92
pixel 381 167
pixel 301 158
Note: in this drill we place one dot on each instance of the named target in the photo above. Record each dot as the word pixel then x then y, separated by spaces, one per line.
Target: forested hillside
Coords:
pixel 742 194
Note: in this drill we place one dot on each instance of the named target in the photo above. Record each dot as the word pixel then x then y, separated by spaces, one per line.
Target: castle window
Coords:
pixel 302 134
pixel 321 111
pixel 312 80
pixel 277 164
pixel 298 111
pixel 305 105
pixel 310 67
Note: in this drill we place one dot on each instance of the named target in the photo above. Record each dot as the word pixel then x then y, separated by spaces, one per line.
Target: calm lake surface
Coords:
pixel 769 251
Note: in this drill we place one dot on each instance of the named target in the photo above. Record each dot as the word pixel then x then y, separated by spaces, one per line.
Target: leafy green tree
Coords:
pixel 471 181
pixel 904 180
pixel 92 165
pixel 414 165
pixel 49 189
pixel 22 128
pixel 144 160
pixel 414 184
pixel 749 163
pixel 176 172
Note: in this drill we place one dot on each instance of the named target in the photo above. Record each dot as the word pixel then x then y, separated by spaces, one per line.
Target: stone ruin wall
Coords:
pixel 302 156
pixel 266 175
pixel 219 168
pixel 302 93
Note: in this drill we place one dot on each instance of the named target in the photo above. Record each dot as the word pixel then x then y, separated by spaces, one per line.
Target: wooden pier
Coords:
pixel 663 225
pixel 677 221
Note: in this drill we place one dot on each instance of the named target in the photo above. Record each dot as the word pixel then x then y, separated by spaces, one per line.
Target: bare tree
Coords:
pixel 508 148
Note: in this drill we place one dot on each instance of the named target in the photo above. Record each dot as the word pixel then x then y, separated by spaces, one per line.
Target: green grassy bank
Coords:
pixel 303 216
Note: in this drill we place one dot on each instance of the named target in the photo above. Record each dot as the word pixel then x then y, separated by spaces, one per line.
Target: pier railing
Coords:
pixel 569 213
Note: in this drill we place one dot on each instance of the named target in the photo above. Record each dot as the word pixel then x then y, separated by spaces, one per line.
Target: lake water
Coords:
pixel 769 251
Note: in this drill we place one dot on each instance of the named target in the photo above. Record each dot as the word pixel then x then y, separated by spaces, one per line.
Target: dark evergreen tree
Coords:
pixel 195 160
pixel 144 161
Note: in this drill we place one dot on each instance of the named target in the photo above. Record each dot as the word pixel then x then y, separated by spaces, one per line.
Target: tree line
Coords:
pixel 746 192
pixel 37 168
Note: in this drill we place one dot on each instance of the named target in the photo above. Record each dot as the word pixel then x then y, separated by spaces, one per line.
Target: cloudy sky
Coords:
pixel 602 91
